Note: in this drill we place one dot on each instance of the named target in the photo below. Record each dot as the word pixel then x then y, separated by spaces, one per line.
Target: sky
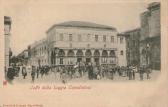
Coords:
pixel 32 18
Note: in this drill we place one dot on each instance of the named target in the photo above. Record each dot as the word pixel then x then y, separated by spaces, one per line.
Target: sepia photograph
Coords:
pixel 82 49
pixel 84 53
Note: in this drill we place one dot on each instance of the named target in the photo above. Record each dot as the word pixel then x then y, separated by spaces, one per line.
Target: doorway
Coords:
pixel 96 61
pixel 88 60
pixel 79 59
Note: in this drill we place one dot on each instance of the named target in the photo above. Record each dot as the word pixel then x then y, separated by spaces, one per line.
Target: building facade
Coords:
pixel 150 46
pixel 23 57
pixel 74 41
pixel 132 46
pixel 7 34
pixel 38 53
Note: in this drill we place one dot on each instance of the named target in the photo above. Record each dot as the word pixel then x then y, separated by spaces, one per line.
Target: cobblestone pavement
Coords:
pixel 55 78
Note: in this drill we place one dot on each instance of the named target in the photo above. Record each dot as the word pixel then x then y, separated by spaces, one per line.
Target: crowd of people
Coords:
pixel 90 70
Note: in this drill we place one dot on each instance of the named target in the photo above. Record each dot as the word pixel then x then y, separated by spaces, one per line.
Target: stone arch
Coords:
pixel 61 53
pixel 96 53
pixel 79 53
pixel 52 57
pixel 88 53
pixel 104 53
pixel 112 53
pixel 70 53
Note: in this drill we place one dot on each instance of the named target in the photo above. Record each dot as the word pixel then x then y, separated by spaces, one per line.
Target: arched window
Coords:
pixel 104 53
pixel 70 53
pixel 96 53
pixel 79 53
pixel 112 53
pixel 88 53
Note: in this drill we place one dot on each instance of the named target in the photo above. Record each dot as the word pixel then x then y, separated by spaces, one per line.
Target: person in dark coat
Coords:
pixel 148 71
pixel 42 71
pixel 90 71
pixel 10 74
pixel 133 72
pixel 130 73
pixel 141 72
pixel 24 72
pixel 38 71
pixel 33 73
pixel 112 70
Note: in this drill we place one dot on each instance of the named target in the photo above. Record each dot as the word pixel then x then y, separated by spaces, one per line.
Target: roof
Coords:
pixel 132 30
pixel 153 5
pixel 126 33
pixel 36 43
pixel 81 24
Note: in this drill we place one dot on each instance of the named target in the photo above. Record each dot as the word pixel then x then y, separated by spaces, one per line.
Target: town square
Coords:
pixel 87 51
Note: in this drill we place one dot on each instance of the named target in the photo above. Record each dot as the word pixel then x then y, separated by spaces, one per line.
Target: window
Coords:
pixel 61 37
pixel 112 39
pixel 104 45
pixel 70 37
pixel 104 38
pixel 70 45
pixel 88 37
pixel 61 61
pixel 121 39
pixel 96 38
pixel 79 38
pixel 121 52
pixel 88 45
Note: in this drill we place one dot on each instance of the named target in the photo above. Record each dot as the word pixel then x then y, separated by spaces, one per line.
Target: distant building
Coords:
pixel 7 34
pixel 38 53
pixel 23 57
pixel 150 46
pixel 76 41
pixel 23 54
pixel 132 46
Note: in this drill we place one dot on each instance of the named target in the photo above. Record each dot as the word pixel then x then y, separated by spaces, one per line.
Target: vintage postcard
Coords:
pixel 84 53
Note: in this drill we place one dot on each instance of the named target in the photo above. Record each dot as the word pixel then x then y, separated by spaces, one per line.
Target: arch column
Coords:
pixel 92 58
pixel 108 58
pixel 84 58
pixel 55 57
pixel 66 58
pixel 75 58
pixel 116 59
pixel 100 56
pixel 52 57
